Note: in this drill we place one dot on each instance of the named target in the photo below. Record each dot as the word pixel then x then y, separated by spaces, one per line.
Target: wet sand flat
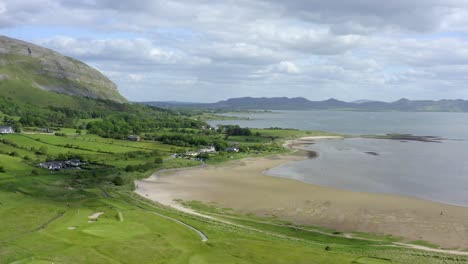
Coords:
pixel 241 185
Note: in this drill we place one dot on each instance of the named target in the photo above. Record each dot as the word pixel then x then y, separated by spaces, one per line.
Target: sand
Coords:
pixel 95 216
pixel 241 185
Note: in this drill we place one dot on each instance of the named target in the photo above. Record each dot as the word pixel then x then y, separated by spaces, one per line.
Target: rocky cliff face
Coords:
pixel 49 70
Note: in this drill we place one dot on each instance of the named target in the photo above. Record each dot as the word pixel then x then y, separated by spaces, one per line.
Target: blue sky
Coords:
pixel 212 50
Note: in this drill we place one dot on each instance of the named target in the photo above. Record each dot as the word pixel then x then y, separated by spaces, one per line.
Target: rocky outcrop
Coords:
pixel 49 70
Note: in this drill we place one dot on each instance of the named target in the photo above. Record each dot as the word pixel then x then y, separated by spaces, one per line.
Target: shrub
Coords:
pixel 203 156
pixel 118 181
pixel 43 150
pixel 2 169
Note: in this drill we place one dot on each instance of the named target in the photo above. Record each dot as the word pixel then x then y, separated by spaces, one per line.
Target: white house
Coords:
pixel 133 138
pixel 209 149
pixel 6 130
pixel 191 153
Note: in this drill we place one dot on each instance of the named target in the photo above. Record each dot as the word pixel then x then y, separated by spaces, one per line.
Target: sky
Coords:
pixel 206 51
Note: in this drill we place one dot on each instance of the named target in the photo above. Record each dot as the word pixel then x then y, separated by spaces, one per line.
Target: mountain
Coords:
pixel 362 101
pixel 40 88
pixel 299 103
pixel 263 103
pixel 25 66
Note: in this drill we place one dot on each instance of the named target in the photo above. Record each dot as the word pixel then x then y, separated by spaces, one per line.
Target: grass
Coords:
pixel 211 116
pixel 291 133
pixel 45 216
pixel 424 244
pixel 366 260
pixel 82 144
pixel 26 72
pixel 220 158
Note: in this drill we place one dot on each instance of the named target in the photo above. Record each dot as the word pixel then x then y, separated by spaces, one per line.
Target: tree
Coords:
pixel 237 131
pixel 43 150
pixel 220 145
pixel 118 181
pixel 243 148
pixel 203 156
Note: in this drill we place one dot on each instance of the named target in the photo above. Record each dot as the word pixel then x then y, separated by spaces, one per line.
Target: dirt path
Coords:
pixel 203 236
pixel 200 233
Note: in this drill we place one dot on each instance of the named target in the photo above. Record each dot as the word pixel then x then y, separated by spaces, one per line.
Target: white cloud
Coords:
pixel 209 50
pixel 136 77
pixel 286 67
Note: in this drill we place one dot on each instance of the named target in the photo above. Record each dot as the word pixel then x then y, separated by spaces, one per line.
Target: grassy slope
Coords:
pixel 24 92
pixel 29 71
pixel 37 212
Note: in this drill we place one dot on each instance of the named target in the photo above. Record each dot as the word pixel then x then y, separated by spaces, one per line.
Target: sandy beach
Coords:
pixel 243 186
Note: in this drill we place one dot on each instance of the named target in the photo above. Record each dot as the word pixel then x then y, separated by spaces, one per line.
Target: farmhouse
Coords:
pixel 59 165
pixel 6 130
pixel 46 130
pixel 233 149
pixel 133 138
pixel 191 153
pixel 209 149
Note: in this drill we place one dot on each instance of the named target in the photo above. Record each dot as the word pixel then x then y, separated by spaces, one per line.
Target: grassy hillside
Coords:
pixel 23 92
pixel 46 215
pixel 41 68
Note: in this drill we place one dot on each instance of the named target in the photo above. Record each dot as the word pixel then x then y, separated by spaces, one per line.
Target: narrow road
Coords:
pixel 199 232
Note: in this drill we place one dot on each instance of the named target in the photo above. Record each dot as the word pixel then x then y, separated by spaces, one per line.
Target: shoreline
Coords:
pixel 236 184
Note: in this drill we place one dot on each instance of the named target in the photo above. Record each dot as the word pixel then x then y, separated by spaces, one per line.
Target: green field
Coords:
pixel 46 215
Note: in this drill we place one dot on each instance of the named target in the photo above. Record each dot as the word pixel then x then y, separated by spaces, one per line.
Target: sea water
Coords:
pixel 427 170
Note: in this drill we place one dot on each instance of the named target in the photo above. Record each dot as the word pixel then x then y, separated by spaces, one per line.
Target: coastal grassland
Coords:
pixel 46 215
pixel 279 133
pixel 213 116
pixel 276 135
pixel 62 234
pixel 231 156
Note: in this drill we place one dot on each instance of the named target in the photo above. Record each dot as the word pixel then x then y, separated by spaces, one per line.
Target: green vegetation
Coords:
pixel 48 70
pixel 45 215
pixel 424 244
pixel 50 216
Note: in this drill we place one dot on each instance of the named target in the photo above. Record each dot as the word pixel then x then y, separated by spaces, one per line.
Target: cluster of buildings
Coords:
pixel 62 165
pixel 210 149
pixel 46 130
pixel 6 130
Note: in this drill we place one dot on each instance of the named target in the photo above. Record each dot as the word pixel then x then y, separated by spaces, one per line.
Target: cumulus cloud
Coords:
pixel 209 50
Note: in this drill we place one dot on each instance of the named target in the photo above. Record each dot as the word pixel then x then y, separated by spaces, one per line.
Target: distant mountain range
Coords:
pixel 300 103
